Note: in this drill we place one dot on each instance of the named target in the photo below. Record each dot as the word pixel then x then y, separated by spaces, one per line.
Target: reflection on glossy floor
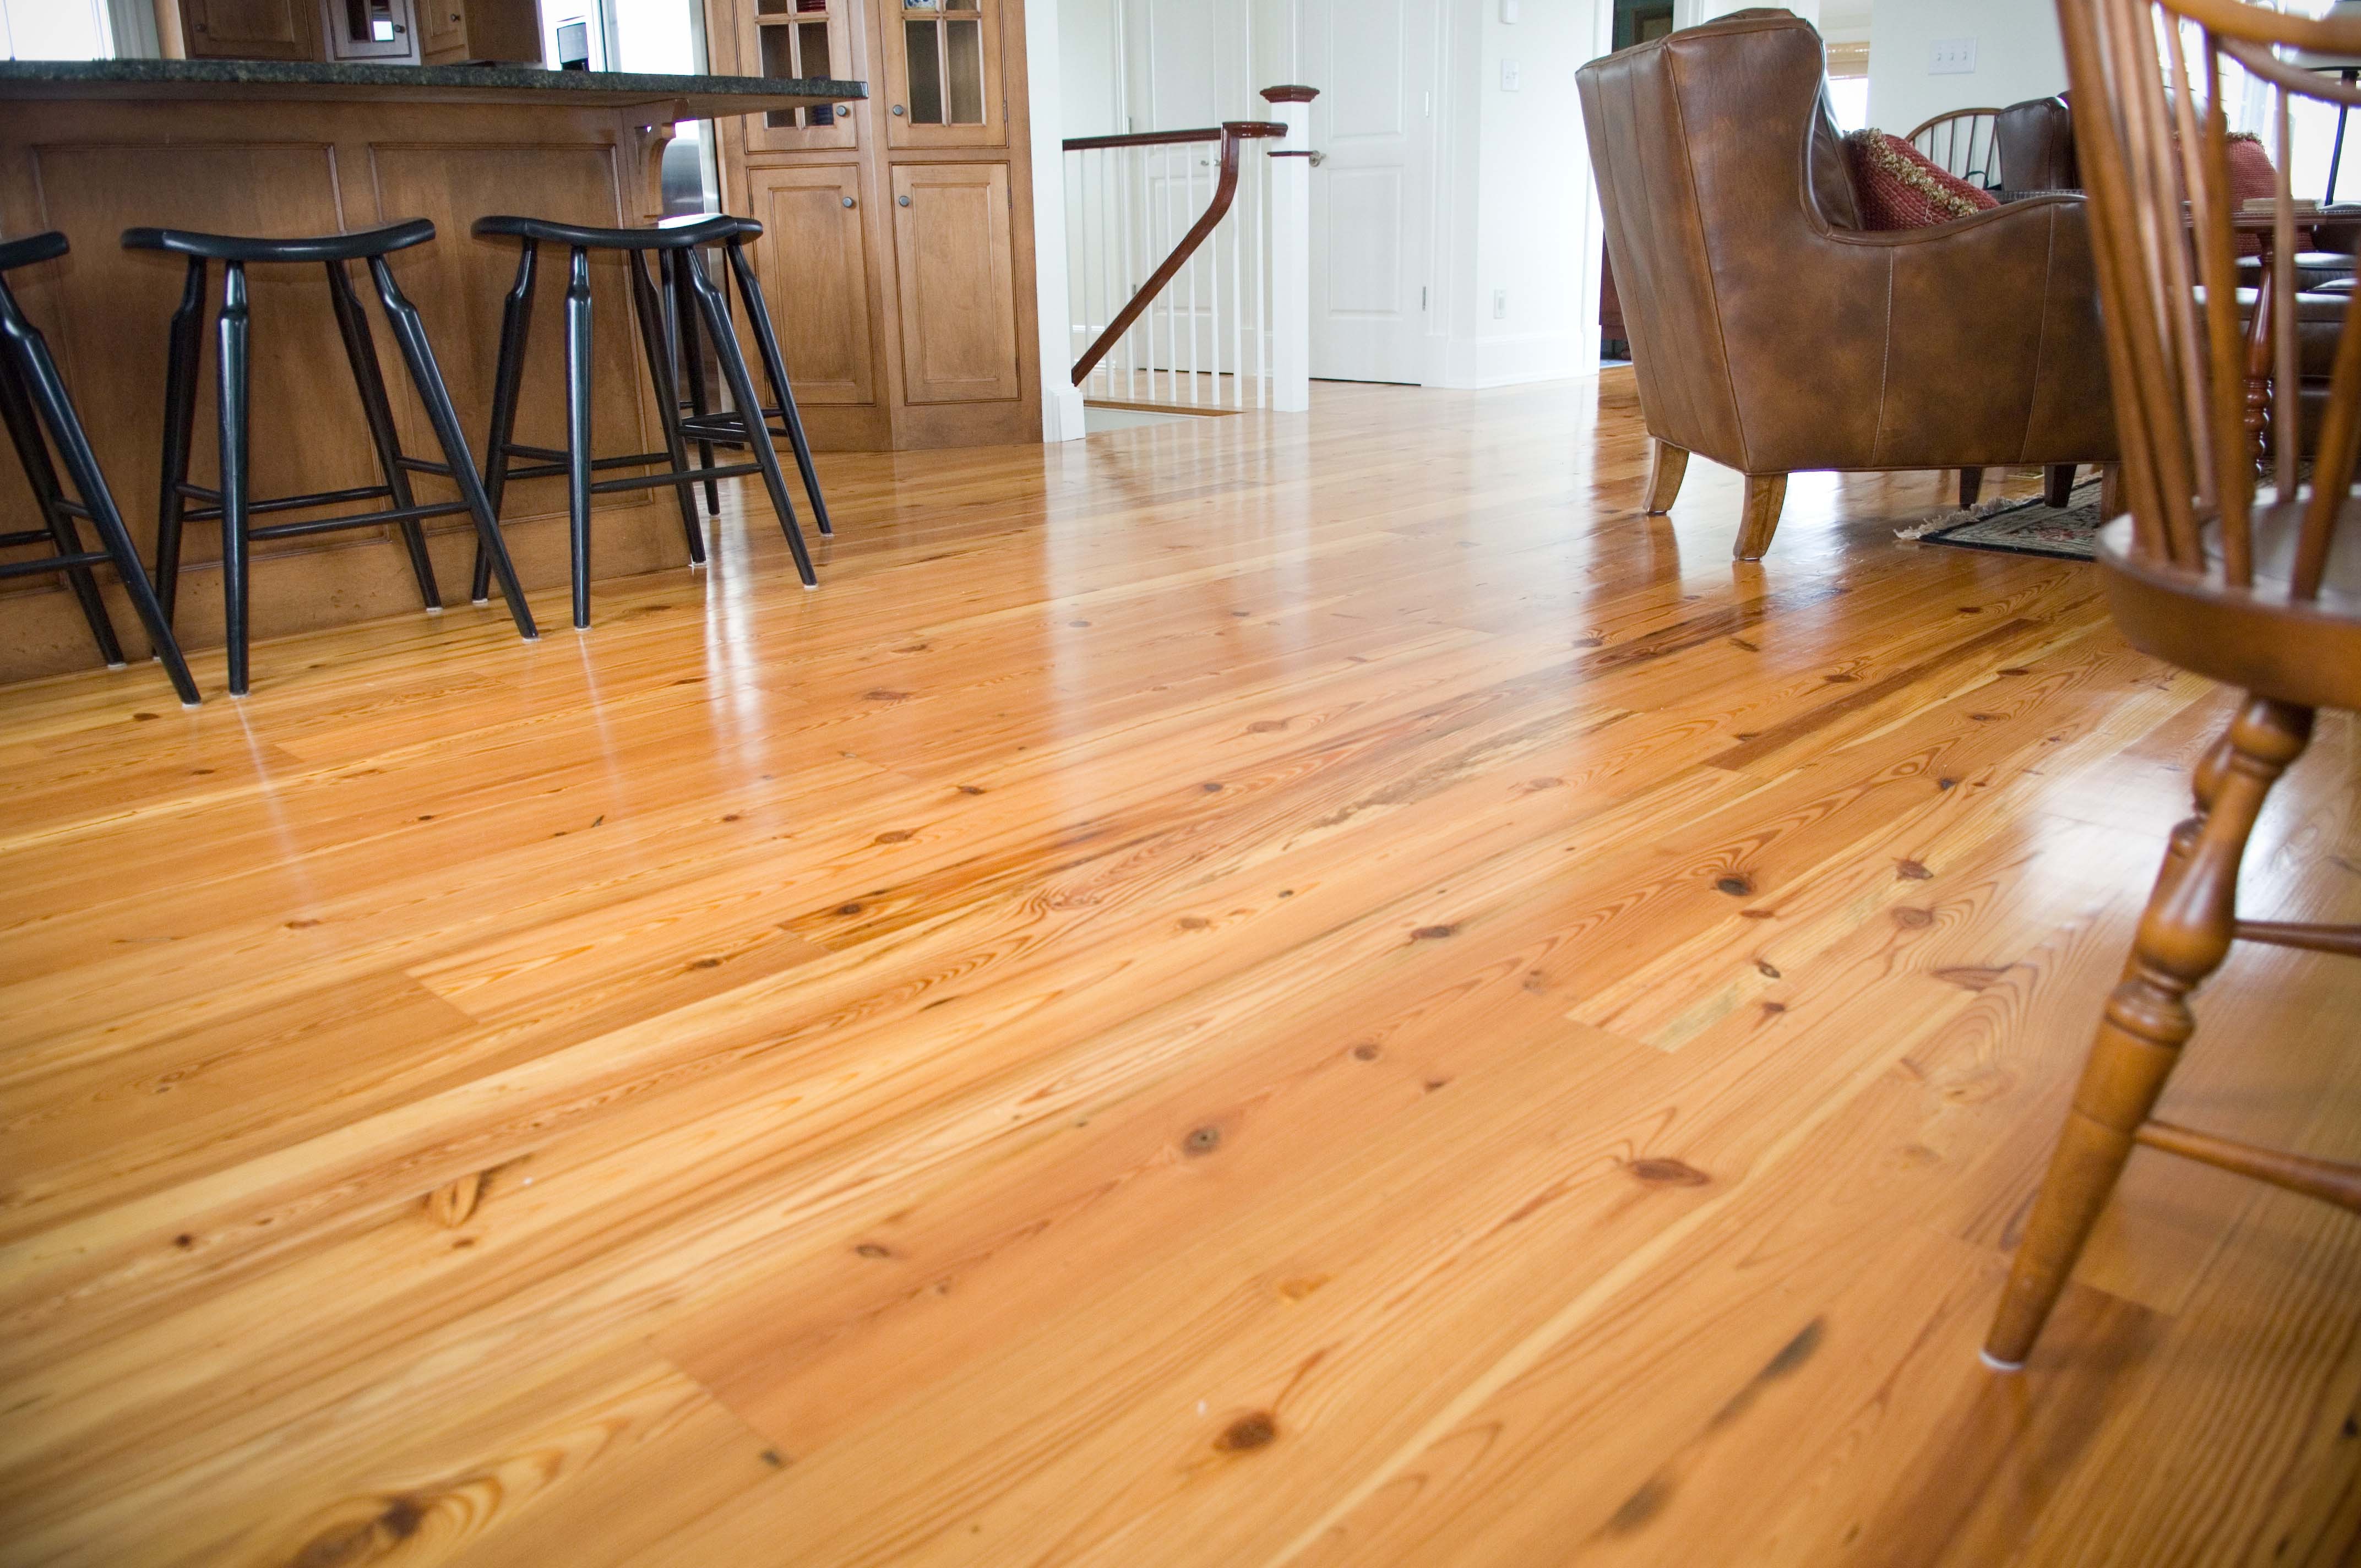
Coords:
pixel 1238 991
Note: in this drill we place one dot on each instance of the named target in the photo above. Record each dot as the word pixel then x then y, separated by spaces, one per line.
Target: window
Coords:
pixel 56 29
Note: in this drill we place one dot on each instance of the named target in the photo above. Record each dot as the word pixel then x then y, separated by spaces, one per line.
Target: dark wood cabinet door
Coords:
pixel 944 74
pixel 251 29
pixel 813 260
pixel 958 287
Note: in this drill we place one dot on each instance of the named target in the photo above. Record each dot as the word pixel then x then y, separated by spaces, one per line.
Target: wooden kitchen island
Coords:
pixel 263 147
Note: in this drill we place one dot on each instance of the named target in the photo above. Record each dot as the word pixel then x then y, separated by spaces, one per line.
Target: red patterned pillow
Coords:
pixel 2252 177
pixel 1901 188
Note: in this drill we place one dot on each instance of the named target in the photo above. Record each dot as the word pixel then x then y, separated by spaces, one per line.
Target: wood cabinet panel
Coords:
pixel 958 290
pixel 251 29
pixel 815 269
pixel 461 285
pixel 508 31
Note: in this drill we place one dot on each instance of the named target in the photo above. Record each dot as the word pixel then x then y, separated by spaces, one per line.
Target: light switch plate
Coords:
pixel 1511 79
pixel 1952 57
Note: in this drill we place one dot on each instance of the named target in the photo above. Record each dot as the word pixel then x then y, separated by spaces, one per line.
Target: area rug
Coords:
pixel 2030 526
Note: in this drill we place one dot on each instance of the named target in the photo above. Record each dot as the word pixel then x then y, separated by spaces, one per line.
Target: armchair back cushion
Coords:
pixel 1770 333
pixel 2037 147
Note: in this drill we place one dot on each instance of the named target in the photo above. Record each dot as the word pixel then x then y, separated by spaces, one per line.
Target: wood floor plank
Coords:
pixel 1289 989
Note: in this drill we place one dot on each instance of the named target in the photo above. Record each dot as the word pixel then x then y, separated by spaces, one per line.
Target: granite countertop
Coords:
pixel 684 98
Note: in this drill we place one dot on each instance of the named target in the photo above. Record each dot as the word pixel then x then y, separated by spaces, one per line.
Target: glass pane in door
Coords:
pixel 779 59
pixel 811 59
pixel 926 72
pixel 966 45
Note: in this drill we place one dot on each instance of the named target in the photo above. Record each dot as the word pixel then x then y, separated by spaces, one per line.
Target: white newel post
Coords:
pixel 1290 250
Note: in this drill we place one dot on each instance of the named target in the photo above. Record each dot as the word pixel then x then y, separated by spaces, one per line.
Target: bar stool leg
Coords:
pixel 741 392
pixel 775 369
pixel 426 377
pixel 183 362
pixel 650 311
pixel 516 323
pixel 24 432
pixel 693 356
pixel 578 429
pixel 34 373
pixel 360 353
pixel 234 452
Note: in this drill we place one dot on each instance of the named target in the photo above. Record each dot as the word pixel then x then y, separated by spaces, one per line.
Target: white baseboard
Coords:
pixel 1511 360
pixel 1063 418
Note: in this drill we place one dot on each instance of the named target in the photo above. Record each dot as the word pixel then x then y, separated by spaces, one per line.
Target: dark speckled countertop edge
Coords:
pixel 56 74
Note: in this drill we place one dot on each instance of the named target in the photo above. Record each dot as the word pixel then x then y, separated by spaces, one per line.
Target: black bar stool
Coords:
pixel 33 400
pixel 231 504
pixel 677 242
pixel 729 428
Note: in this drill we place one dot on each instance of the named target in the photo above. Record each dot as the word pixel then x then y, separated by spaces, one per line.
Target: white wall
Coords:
pixel 2018 56
pixel 1521 232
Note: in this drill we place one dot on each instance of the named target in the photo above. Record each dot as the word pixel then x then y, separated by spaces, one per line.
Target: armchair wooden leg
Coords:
pixel 2058 485
pixel 1668 464
pixel 1766 494
pixel 1972 485
pixel 2111 491
pixel 2183 937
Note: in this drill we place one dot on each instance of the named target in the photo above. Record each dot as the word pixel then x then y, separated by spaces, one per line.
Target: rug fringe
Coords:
pixel 1919 530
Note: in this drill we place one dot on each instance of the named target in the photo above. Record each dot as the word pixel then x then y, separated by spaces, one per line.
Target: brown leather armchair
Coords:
pixel 1770 333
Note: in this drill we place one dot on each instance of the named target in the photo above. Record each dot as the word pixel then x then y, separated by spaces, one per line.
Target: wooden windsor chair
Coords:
pixel 2242 572
pixel 1963 142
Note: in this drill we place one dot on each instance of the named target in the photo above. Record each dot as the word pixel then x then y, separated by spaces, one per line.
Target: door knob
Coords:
pixel 897 108
pixel 904 200
pixel 848 200
pixel 1318 159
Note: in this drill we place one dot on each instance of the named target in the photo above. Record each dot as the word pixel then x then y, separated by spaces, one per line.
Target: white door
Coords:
pixel 1373 127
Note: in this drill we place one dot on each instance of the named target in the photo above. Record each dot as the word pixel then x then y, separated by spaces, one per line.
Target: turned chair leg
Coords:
pixel 1667 466
pixel 1766 494
pixel 2058 485
pixel 1972 485
pixel 2184 934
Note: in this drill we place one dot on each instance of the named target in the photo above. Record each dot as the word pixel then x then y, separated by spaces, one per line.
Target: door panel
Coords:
pixel 252 29
pixel 1373 122
pixel 813 260
pixel 443 28
pixel 957 294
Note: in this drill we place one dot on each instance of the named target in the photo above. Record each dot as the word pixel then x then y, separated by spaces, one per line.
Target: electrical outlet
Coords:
pixel 1500 304
pixel 1953 56
pixel 1511 79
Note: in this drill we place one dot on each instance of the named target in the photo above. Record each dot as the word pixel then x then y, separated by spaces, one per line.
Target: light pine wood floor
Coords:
pixel 1242 991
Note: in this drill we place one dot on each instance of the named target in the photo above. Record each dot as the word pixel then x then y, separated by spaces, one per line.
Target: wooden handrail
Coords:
pixel 1233 135
pixel 1144 138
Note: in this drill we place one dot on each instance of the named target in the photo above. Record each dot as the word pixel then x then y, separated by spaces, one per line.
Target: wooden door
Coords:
pixel 813 261
pixel 945 79
pixel 801 38
pixel 958 290
pixel 378 30
pixel 443 27
pixel 251 29
pixel 1374 63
